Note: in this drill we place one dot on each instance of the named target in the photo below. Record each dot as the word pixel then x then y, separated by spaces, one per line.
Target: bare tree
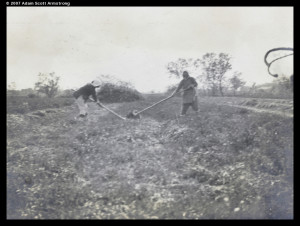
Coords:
pixel 47 84
pixel 236 82
pixel 176 68
pixel 253 89
pixel 215 66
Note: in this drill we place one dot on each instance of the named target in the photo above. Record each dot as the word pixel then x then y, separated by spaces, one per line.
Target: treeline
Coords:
pixel 215 78
pixel 279 89
pixel 111 89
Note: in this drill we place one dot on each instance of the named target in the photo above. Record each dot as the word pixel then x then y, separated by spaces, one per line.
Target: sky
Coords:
pixel 134 44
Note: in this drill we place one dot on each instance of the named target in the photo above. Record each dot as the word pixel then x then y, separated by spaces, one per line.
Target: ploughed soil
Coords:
pixel 231 160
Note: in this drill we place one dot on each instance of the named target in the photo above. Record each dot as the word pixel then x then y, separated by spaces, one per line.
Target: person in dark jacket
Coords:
pixel 82 95
pixel 189 97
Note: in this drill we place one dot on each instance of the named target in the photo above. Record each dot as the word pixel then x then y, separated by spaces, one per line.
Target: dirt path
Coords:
pixel 259 110
pixel 280 107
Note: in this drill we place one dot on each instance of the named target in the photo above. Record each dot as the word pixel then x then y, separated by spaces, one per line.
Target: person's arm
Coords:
pixel 177 89
pixel 94 95
pixel 194 83
pixel 96 100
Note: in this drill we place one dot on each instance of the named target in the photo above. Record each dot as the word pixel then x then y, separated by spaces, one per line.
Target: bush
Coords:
pixel 31 95
pixel 68 93
pixel 110 92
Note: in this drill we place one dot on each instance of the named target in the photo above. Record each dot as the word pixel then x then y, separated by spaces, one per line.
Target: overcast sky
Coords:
pixel 136 43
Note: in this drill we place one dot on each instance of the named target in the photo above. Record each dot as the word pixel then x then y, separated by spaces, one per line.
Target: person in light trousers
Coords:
pixel 83 94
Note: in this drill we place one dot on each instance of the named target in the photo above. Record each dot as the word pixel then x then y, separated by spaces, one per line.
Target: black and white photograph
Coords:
pixel 149 112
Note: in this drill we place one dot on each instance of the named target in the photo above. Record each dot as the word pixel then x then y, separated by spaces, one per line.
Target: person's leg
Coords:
pixel 184 108
pixel 86 108
pixel 82 106
pixel 195 105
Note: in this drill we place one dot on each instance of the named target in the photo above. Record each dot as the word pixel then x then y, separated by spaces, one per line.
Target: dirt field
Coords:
pixel 232 160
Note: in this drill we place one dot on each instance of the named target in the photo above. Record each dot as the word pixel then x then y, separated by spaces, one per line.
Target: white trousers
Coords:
pixel 83 107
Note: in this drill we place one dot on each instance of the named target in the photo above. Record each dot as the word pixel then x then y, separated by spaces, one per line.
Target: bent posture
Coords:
pixel 189 97
pixel 83 94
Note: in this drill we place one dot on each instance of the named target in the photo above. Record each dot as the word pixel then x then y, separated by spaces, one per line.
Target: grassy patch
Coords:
pixel 22 105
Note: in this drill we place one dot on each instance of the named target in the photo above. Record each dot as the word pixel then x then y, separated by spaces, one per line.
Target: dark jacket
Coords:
pixel 85 92
pixel 189 95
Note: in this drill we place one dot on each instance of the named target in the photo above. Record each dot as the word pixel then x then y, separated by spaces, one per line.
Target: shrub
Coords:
pixel 31 95
pixel 68 93
pixel 110 92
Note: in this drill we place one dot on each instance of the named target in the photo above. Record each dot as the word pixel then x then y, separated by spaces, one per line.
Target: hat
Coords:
pixel 95 83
